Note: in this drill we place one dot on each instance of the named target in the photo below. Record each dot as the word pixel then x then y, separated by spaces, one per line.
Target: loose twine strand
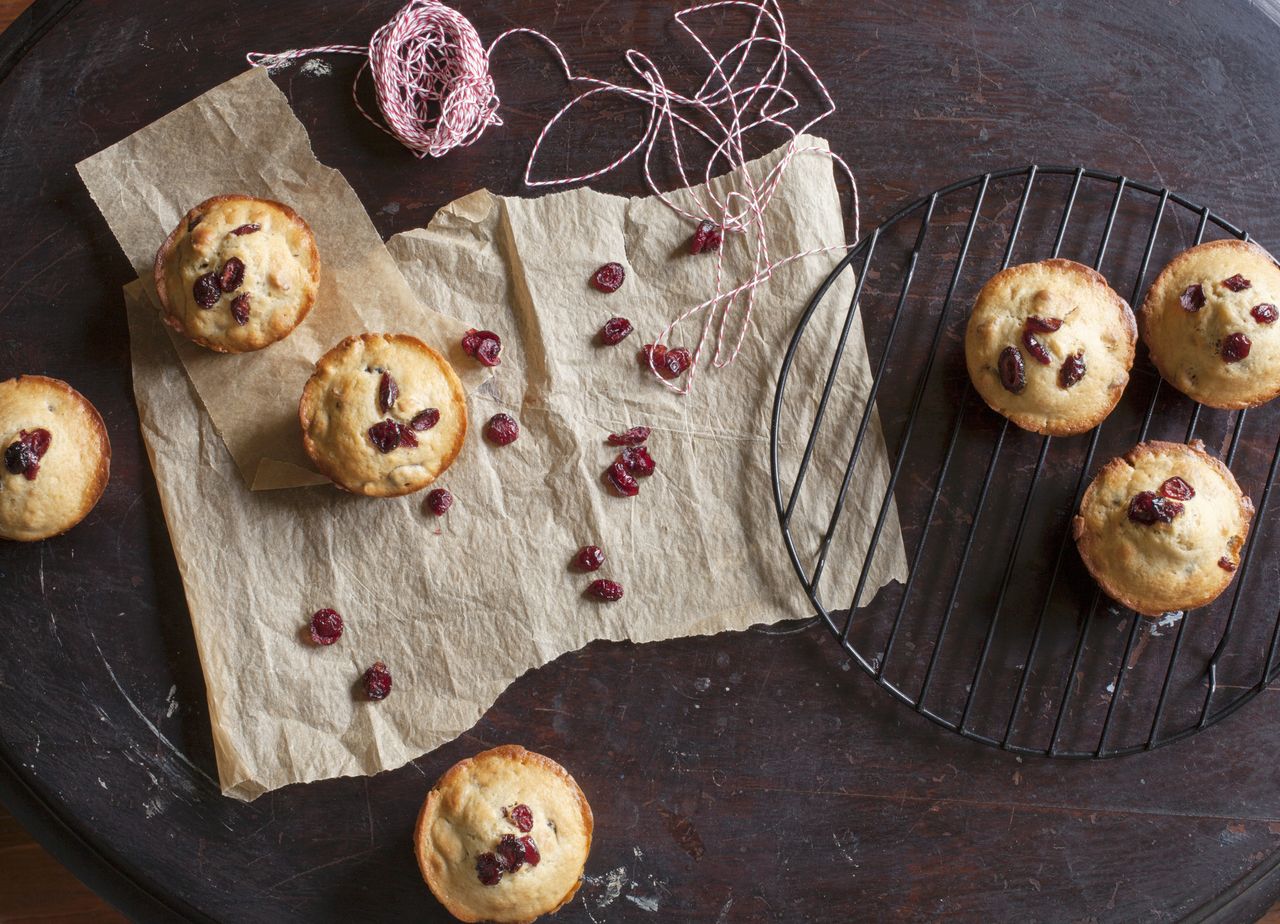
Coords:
pixel 436 93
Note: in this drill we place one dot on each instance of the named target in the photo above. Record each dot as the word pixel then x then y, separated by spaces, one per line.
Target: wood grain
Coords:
pixel 750 777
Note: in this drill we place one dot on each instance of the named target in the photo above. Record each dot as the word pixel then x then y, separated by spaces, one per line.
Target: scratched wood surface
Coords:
pixel 746 777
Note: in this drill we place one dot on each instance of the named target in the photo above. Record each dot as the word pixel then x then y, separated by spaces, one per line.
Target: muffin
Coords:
pixel 1161 527
pixel 504 837
pixel 238 273
pixel 1209 321
pixel 383 414
pixel 56 457
pixel 1049 345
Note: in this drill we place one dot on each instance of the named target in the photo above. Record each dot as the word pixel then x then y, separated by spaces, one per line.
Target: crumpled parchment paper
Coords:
pixel 460 606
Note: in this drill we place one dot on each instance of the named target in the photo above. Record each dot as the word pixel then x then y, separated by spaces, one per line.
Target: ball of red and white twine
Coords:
pixel 436 93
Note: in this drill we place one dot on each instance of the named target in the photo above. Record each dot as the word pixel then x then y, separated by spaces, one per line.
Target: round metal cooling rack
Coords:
pixel 998 632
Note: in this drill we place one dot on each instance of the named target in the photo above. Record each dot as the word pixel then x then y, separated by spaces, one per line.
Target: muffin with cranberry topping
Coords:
pixel 1049 345
pixel 504 836
pixel 237 273
pixel 1161 527
pixel 1210 322
pixel 56 457
pixel 383 414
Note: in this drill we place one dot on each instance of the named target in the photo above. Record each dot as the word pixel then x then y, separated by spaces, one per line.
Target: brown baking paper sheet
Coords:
pixel 242 137
pixel 459 607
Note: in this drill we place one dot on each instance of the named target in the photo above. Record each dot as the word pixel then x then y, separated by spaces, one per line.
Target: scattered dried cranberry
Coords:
pixel 425 420
pixel 1192 298
pixel 638 461
pixel 1226 564
pixel 489 869
pixel 1043 325
pixel 193 221
pixel 246 229
pixel 531 855
pixel 511 852
pixel 206 290
pixel 1177 488
pixel 387 435
pixel 484 345
pixel 326 627
pixel 1013 372
pixel 622 480
pixel 388 392
pixel 1149 507
pixel 615 330
pixel 439 501
pixel 589 558
pixel 521 816
pixel 1036 348
pixel 633 437
pixel 240 308
pixel 1072 371
pixel 502 429
pixel 1237 283
pixel 232 275
pixel 676 361
pixel 1235 347
pixel 1264 313
pixel 707 237
pixel 608 278
pixel 23 456
pixel 377 681
pixel 605 590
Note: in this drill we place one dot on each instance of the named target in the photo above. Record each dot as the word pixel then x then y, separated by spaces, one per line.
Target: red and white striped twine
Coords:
pixel 435 91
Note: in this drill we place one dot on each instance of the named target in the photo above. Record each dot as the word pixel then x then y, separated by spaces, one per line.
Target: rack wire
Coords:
pixel 998 633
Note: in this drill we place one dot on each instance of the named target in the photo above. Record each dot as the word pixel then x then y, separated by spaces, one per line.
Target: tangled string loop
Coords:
pixel 435 92
pixel 430 74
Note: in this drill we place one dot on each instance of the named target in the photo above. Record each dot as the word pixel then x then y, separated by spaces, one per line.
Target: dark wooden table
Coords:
pixel 746 777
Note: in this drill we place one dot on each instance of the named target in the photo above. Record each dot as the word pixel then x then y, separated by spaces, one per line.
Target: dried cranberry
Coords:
pixel 425 420
pixel 615 330
pixel 1235 347
pixel 246 229
pixel 1192 298
pixel 622 480
pixel 1036 348
pixel 439 501
pixel 521 816
pixel 1226 564
pixel 232 275
pixel 387 435
pixel 589 558
pixel 23 456
pixel 388 392
pixel 1237 283
pixel 605 590
pixel 637 460
pixel 608 278
pixel 653 354
pixel 377 681
pixel 1043 325
pixel 502 429
pixel 206 290
pixel 484 345
pixel 489 869
pixel 676 361
pixel 1177 488
pixel 1072 371
pixel 633 437
pixel 1264 313
pixel 326 627
pixel 193 221
pixel 707 237
pixel 1013 373
pixel 531 855
pixel 511 852
pixel 240 308
pixel 1148 507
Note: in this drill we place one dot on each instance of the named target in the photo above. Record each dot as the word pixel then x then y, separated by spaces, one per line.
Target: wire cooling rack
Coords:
pixel 998 632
